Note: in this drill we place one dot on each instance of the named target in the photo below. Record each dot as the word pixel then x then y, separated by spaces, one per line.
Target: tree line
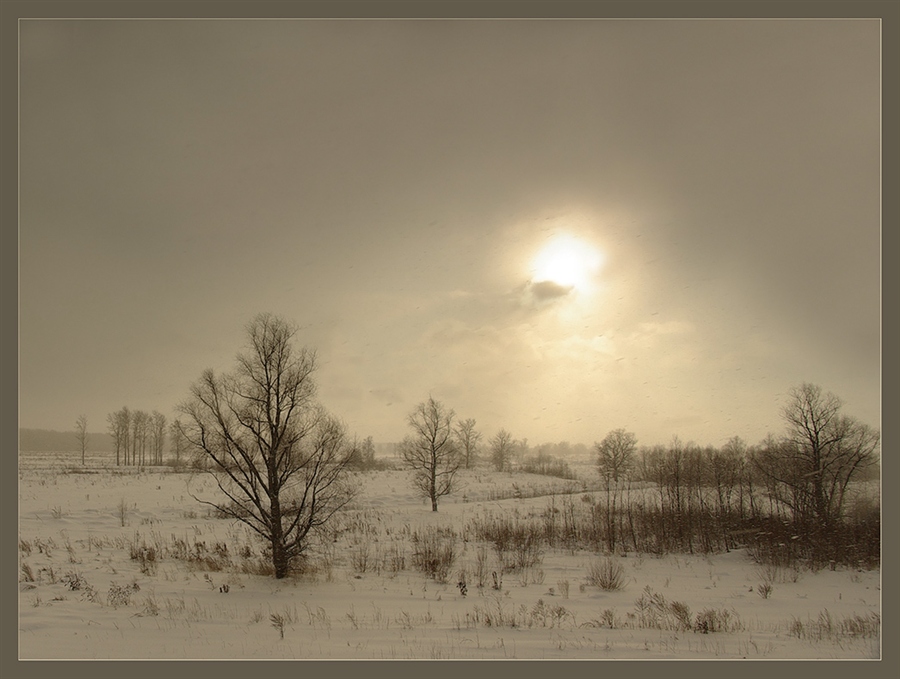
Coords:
pixel 280 460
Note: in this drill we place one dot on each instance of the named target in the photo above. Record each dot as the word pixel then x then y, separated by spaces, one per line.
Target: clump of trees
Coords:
pixel 431 452
pixel 139 438
pixel 362 457
pixel 542 462
pixel 787 498
pixel 809 469
pixel 279 459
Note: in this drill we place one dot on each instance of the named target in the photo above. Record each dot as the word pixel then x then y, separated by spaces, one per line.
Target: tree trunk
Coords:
pixel 434 495
pixel 280 560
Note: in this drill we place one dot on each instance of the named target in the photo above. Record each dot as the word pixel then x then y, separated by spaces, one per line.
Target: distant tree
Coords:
pixel 502 448
pixel 278 458
pixel 177 441
pixel 520 449
pixel 362 454
pixel 544 463
pixel 615 460
pixel 139 430
pixel 468 439
pixel 81 434
pixel 124 416
pixel 725 471
pixel 119 425
pixel 615 455
pixel 431 452
pixel 810 468
pixel 157 426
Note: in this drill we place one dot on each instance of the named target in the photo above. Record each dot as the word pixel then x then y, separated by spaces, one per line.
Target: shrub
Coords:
pixel 74 582
pixel 654 611
pixel 547 465
pixel 145 556
pixel 359 556
pixel 827 628
pixel 607 574
pixel 608 618
pixel 433 552
pixel 682 615
pixel 711 620
pixel 120 595
pixel 518 544
pixel 480 570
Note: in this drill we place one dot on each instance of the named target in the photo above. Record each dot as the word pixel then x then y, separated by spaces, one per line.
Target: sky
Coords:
pixel 558 228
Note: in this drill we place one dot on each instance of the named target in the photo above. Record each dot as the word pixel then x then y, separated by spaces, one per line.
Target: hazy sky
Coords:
pixel 390 185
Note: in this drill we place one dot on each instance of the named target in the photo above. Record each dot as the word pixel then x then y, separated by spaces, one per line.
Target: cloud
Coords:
pixel 545 291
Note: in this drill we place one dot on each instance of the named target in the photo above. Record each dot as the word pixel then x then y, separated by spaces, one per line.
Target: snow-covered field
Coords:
pixel 128 565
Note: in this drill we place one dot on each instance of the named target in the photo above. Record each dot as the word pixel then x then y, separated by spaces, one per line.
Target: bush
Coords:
pixel 607 574
pixel 655 612
pixel 828 628
pixel 548 466
pixel 120 595
pixel 711 620
pixel 433 552
pixel 518 544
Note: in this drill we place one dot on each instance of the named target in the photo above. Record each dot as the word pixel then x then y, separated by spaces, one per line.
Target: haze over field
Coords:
pixel 555 227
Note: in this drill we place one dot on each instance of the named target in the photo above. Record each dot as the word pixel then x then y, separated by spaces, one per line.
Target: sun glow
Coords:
pixel 566 261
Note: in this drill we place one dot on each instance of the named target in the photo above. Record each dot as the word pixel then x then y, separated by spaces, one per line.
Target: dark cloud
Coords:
pixel 545 291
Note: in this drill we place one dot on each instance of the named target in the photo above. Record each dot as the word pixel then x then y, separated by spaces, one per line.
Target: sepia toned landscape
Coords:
pixel 464 339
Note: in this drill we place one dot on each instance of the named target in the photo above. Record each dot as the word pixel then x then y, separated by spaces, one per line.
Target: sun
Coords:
pixel 566 261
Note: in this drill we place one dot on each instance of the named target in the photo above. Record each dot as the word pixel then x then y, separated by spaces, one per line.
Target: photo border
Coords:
pixel 11 11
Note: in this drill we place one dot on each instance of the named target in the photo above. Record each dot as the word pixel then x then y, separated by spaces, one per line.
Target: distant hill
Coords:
pixel 46 440
pixel 50 441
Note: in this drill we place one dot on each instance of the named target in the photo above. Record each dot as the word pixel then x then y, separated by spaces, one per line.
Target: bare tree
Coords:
pixel 81 434
pixel 178 442
pixel 139 430
pixel 362 454
pixel 615 455
pixel 725 471
pixel 124 420
pixel 502 447
pixel 278 458
pixel 157 426
pixel 810 468
pixel 431 452
pixel 468 439
pixel 119 424
pixel 615 460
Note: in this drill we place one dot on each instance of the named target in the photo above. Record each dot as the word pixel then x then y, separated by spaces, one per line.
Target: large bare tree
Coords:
pixel 431 452
pixel 278 458
pixel 810 468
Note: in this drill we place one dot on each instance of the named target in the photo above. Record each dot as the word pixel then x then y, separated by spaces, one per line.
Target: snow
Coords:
pixel 83 596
